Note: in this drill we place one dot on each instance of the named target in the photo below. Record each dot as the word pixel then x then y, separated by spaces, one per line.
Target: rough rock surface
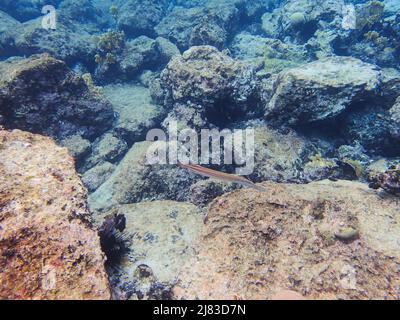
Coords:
pixel 395 111
pixel 138 17
pixel 6 23
pixel 106 148
pixel 205 76
pixel 374 128
pixel 69 42
pixel 325 240
pixel 78 147
pixel 207 25
pixel 42 95
pixel 280 157
pixel 48 249
pixel 123 60
pixel 321 90
pixel 161 235
pixel 298 20
pixel 268 55
pixel 96 176
pixel 136 112
pixel 134 180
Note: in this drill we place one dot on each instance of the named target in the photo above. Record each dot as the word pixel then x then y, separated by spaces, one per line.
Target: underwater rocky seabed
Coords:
pixel 76 104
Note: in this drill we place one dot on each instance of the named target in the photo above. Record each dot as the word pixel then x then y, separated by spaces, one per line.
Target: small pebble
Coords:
pixel 347 234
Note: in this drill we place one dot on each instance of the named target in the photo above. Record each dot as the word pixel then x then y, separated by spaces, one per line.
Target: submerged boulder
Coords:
pixel 70 42
pixel 136 113
pixel 298 20
pixel 42 95
pixel 138 17
pixel 201 25
pixel 213 80
pixel 279 157
pixel 325 240
pixel 48 249
pixel 321 90
pixel 268 55
pixel 118 59
pixel 133 180
pixel 160 236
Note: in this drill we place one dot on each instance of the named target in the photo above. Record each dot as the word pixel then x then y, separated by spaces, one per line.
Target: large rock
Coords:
pixel 201 25
pixel 161 235
pixel 298 20
pixel 207 77
pixel 321 90
pixel 134 180
pixel 125 59
pixel 280 157
pixel 374 128
pixel 42 95
pixel 136 112
pixel 70 42
pixel 7 22
pixel 266 54
pixel 374 123
pixel 109 148
pixel 138 17
pixel 325 240
pixel 48 249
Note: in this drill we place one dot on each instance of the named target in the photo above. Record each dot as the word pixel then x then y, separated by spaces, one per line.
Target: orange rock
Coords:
pixel 255 244
pixel 48 249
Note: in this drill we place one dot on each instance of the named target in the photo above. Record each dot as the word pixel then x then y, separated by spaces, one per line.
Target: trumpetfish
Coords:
pixel 213 174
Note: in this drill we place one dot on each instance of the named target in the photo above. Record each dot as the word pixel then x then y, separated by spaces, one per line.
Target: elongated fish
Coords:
pixel 221 176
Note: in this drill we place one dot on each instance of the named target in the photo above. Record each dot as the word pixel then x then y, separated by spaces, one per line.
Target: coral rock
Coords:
pixel 48 249
pixel 42 95
pixel 321 90
pixel 256 244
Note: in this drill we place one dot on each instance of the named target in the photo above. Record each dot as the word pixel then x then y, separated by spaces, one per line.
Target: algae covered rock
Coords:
pixel 42 95
pixel 205 76
pixel 138 17
pixel 388 180
pixel 69 42
pixel 321 90
pixel 200 25
pixel 266 54
pixel 133 180
pixel 136 113
pixel 299 20
pixel 124 59
pixel 48 248
pixel 324 240
pixel 279 157
pixel 161 234
pixel 395 111
pixel 106 148
pixel 78 147
pixel 96 176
